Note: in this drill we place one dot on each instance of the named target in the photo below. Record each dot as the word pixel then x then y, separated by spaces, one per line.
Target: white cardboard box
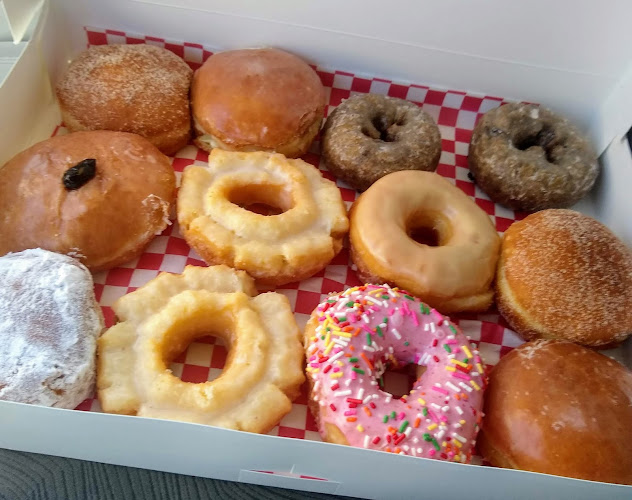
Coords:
pixel 573 56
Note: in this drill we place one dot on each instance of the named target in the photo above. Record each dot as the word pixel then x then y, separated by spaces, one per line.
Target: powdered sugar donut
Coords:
pixel 49 323
pixel 350 341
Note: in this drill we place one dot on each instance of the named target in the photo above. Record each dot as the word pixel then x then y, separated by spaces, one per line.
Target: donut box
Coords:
pixel 292 455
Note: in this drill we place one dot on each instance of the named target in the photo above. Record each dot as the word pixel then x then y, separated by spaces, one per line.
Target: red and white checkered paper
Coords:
pixel 455 112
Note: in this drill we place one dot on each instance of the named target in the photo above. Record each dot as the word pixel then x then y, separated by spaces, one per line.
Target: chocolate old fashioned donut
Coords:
pixel 528 158
pixel 369 136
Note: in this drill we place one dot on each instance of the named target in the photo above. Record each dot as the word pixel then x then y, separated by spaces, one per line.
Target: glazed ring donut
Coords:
pixel 274 249
pixel 369 136
pixel 528 158
pixel 263 372
pixel 353 337
pixel 452 268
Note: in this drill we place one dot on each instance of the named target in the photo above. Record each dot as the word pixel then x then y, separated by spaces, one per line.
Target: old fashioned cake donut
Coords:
pixel 257 100
pixel 353 337
pixel 263 372
pixel 98 196
pixel 49 324
pixel 368 136
pixel 564 275
pixel 528 158
pixel 275 249
pixel 141 89
pixel 416 230
pixel 559 408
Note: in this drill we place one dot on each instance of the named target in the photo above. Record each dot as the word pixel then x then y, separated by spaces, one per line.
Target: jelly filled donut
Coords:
pixel 354 336
pixel 528 158
pixel 453 266
pixel 369 136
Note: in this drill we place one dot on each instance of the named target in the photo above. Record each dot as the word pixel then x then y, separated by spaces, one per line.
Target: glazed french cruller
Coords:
pixel 215 219
pixel 263 372
pixel 453 273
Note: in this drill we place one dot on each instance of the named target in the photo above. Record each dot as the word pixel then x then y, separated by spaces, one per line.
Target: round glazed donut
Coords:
pixel 49 324
pixel 454 270
pixel 558 408
pixel 274 249
pixel 528 158
pixel 368 136
pixel 99 196
pixel 353 337
pixel 257 100
pixel 564 275
pixel 264 368
pixel 141 89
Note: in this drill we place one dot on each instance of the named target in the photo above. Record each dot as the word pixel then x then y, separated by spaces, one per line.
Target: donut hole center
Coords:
pixel 428 229
pixel 399 381
pixel 544 139
pixel 384 128
pixel 262 199
pixel 198 360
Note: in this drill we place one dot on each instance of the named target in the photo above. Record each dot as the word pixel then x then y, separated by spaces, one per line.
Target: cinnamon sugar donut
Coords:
pixel 564 275
pixel 368 136
pixel 49 324
pixel 141 89
pixel 528 158
pixel 452 269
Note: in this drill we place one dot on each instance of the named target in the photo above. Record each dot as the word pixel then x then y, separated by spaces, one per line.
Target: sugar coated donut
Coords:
pixel 368 136
pixel 263 372
pixel 141 89
pixel 49 324
pixel 528 158
pixel 353 337
pixel 275 249
pixel 559 408
pixel 564 275
pixel 257 100
pixel 452 268
pixel 99 196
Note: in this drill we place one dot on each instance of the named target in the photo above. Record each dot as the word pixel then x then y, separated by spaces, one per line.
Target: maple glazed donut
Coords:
pixel 275 249
pixel 528 158
pixel 368 136
pixel 353 337
pixel 453 268
pixel 263 371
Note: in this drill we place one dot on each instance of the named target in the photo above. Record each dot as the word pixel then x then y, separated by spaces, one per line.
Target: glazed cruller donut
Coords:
pixel 274 249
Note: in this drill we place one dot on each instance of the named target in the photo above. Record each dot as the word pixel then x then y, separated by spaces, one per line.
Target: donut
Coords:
pixel 528 158
pixel 354 336
pixel 98 196
pixel 368 136
pixel 559 408
pixel 303 232
pixel 564 275
pixel 263 372
pixel 49 324
pixel 141 89
pixel 451 263
pixel 257 100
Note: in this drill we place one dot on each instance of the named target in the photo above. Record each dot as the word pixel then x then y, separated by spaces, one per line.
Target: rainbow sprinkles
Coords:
pixel 354 336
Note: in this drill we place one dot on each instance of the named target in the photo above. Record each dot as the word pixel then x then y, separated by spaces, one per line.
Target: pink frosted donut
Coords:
pixel 354 336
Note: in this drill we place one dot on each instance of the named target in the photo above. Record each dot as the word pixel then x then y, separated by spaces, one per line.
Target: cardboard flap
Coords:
pixel 16 15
